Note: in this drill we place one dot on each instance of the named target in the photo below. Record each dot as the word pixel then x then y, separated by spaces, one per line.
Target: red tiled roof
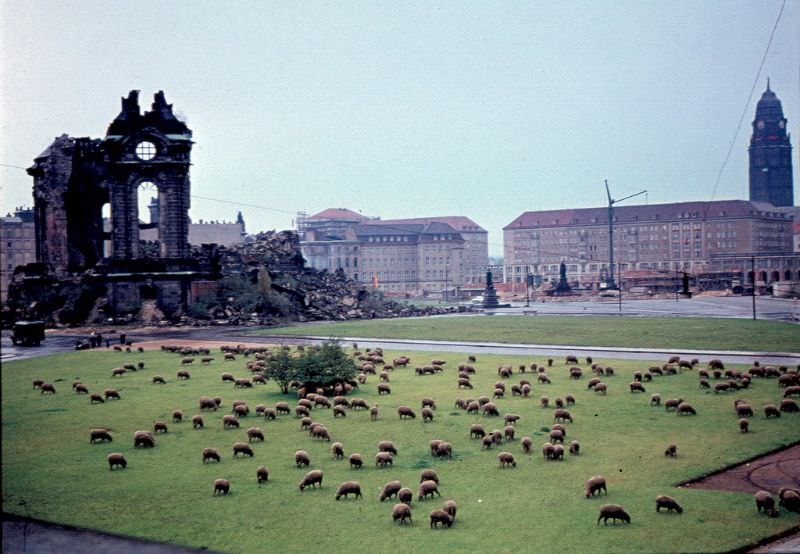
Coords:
pixel 339 213
pixel 457 222
pixel 641 213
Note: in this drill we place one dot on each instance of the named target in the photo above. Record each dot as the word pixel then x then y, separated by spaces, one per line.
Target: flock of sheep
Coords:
pixel 371 362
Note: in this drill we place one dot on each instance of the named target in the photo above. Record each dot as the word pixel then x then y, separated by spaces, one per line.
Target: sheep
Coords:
pixel 743 409
pixel 337 450
pixel 509 432
pixel 37 383
pixel 183 374
pixel 262 474
pixel 511 419
pixel 47 388
pixel 613 512
pixel 358 404
pixel 543 379
pixel 242 448
pixel 158 380
pixel 571 359
pixel 570 400
pixel 383 459
pixel 320 432
pixel 406 413
pixel 473 407
pixel 440 517
pixel 118 372
pixel 722 387
pixel 558 452
pixel 672 403
pixel 211 454
pixel 497 436
pixel 487 443
pixel 159 427
pixel 464 383
pixel 575 448
pixel 601 388
pixel 116 459
pixel 744 425
pixel 593 382
pixel 389 490
pixel 636 386
pixel 221 486
pixel 789 406
pixel 562 415
pixel 207 360
pixel 791 391
pixel 177 416
pixel 575 373
pixel 302 459
pixel 339 411
pixel 428 475
pixel 243 383
pixel 771 410
pixel 428 488
pixel 789 499
pixel 99 435
pixel 347 488
pixel 356 461
pixel 207 403
pixel 80 388
pixel 197 422
pixel 765 502
pixel 594 485
pixel 111 394
pixel 228 377
pixel 269 413
pixel 655 399
pixel 671 451
pixel 187 361
pixel 526 390
pixel 444 449
pixel 547 451
pixel 544 402
pixel 96 398
pixel 229 421
pixel 301 411
pixel 669 503
pixel 490 410
pixel 476 431
pixel 402 512
pixel 387 446
pixel 526 443
pixel 405 495
pixel 684 408
pixel 254 433
pixel 506 459
pixel 144 439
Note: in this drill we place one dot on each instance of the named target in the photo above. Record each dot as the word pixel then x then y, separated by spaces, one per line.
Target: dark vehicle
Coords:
pixel 28 333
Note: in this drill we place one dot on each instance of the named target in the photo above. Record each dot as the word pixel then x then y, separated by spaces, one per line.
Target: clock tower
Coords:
pixel 770 154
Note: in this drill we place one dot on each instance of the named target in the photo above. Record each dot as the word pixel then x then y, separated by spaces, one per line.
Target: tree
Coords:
pixel 281 368
pixel 323 366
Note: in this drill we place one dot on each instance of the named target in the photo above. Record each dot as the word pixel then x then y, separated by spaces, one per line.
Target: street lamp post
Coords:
pixel 611 202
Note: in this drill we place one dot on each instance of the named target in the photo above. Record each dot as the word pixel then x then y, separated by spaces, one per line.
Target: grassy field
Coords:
pixel 686 333
pixel 50 470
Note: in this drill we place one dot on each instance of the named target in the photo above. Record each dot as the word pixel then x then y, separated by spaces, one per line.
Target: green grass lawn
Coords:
pixel 679 333
pixel 50 471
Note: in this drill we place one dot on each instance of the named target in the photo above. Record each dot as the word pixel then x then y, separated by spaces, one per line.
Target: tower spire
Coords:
pixel 768 83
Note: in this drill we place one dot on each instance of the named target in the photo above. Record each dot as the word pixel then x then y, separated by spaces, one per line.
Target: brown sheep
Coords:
pixel 183 374
pixel 444 449
pixel 197 422
pixel 672 403
pixel 99 435
pixel 636 386
pixel 402 512
pixel 282 408
pixel 387 446
pixel 254 433
pixel 544 402
pixel 473 407
pixel 177 416
pixel 347 488
pixel 558 452
pixel 427 415
pixel 594 485
pixel 526 443
pixel 592 383
pixel 269 413
pixel 243 383
pixel 571 359
pixel 301 411
pixel 601 388
pixel 562 415
pixel 383 459
pixel 80 388
pixel 358 404
pixel 669 503
pixel 575 448
pixel 511 419
pixel 221 486
pixel 356 461
pixel 655 399
pixel 37 383
pixel 789 406
pixel 228 377
pixel 337 450
pixel 476 431
pixel 339 411
pixel 406 413
pixel 229 421
pixel 118 372
pixel 320 432
pixel 543 379
pixel 684 408
pixel 159 427
pixel 744 425
pixel 771 410
pixel 439 518
pixel 428 475
pixel 547 451
pixel 575 373
pixel 211 454
pixel 405 495
pixel 464 383
pixel 509 432
pixel 506 459
pixel 789 499
pixel 111 394
pixel 390 489
pixel 310 479
pixel 144 439
pixel 428 403
pixel 302 459
pixel 373 412
pixel 116 459
pixel 570 400
pixel 187 361
pixel 158 380
pixel 242 448
pixel 262 474
pixel 613 512
pixel 207 360
pixel 765 502
pixel 428 488
pixel 93 398
pixel 207 403
pixel 490 410
pixel 450 507
pixel 671 451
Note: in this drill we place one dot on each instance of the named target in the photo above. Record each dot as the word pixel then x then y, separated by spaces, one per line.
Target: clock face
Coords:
pixel 760 124
pixel 781 124
pixel 146 150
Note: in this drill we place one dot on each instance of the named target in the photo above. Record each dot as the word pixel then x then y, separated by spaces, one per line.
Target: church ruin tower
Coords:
pixel 770 154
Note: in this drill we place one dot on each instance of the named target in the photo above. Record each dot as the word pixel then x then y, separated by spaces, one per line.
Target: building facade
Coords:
pixel 770 152
pixel 18 239
pixel 701 238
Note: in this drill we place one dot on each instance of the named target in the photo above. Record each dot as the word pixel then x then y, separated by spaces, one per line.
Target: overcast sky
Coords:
pixel 407 109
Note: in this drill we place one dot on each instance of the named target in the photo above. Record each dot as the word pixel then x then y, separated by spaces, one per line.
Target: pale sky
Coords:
pixel 408 109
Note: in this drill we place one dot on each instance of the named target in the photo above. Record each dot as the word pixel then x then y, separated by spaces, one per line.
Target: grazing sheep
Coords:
pixel 356 461
pixel 302 459
pixel 684 408
pixel 613 512
pixel 207 403
pixel 242 448
pixel 282 408
pixel 337 450
pixel 387 446
pixel 473 407
pixel 402 512
pixel 211 454
pixel 571 359
pixel 526 390
pixel 743 409
pixel 526 443
pixel 96 398
pixel 80 388
pixel 439 518
pixel 47 388
pixel 428 475
pixel 269 413
pixel 320 432
pixel 464 383
pixel 593 383
pixel 118 372
pixel 187 361
pixel 390 489
pixel 116 459
pixel 771 410
pixel 428 488
pixel 476 431
pixel 570 400
pixel 99 435
pixel 543 379
pixel 511 419
pixel 158 380
pixel 358 404
pixel 339 411
pixel 547 451
pixel 301 411
pixel 509 432
pixel 636 386
pixel 487 442
pixel 144 439
pixel 406 413
pixel 444 449
pixel 229 421
pixel 789 499
pixel 722 387
pixel 669 503
pixel 789 406
pixel 744 425
pixel 558 452
pixel 562 415
pixel 207 360
pixel 575 448
pixel 672 403
pixel 111 394
pixel 765 502
pixel 243 383
pixel 655 399
pixel 490 410
pixel 427 415
pixel 594 485
pixel 228 377
pixel 383 459
pixel 159 427
pixel 575 373
pixel 601 388
pixel 262 474
pixel 37 383
pixel 506 459
pixel 221 486
pixel 254 433
pixel 498 393
pixel 347 488
pixel 405 495
pixel 310 479
pixel 671 451
pixel 183 374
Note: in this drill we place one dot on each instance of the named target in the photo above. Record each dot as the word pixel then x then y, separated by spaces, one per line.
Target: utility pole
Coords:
pixel 753 270
pixel 611 202
pixel 619 284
